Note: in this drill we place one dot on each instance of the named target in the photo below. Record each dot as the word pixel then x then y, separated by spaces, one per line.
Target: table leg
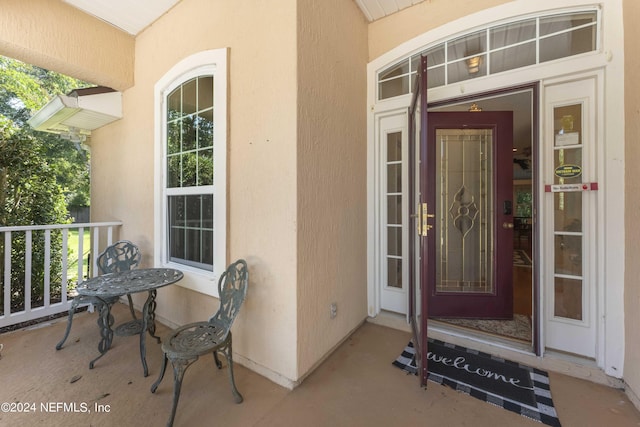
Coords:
pixel 148 324
pixel 105 321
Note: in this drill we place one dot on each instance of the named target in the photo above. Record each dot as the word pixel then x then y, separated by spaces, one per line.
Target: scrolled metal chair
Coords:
pixel 185 345
pixel 120 256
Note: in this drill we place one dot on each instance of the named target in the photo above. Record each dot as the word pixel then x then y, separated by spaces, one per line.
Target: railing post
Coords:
pixel 47 268
pixel 28 256
pixel 7 273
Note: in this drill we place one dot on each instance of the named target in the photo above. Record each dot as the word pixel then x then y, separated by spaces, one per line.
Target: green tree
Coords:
pixel 40 175
pixel 24 89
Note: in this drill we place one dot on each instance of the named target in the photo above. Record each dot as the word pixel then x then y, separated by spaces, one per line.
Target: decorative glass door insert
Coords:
pixel 464 179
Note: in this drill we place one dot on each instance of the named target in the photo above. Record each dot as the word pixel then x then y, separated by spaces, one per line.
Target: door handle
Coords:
pixel 422 217
pixel 507 225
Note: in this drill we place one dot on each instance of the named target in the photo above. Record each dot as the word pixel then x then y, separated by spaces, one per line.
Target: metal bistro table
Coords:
pixel 120 284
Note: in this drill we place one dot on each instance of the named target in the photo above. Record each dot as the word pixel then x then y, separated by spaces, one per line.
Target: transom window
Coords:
pixel 494 50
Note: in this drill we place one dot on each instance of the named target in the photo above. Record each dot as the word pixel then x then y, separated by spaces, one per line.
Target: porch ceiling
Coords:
pixel 135 16
pixel 129 16
pixel 376 9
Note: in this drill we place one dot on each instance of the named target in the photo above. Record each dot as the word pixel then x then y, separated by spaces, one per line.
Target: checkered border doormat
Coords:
pixel 544 413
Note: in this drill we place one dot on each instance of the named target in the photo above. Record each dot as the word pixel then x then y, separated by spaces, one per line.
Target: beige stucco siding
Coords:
pixel 632 206
pixel 332 59
pixel 389 32
pixel 56 36
pixel 261 164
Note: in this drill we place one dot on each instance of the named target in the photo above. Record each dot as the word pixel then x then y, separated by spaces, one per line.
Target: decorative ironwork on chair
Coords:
pixel 120 256
pixel 185 345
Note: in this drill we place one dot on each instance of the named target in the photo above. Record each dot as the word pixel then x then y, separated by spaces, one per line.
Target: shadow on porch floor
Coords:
pixel 355 386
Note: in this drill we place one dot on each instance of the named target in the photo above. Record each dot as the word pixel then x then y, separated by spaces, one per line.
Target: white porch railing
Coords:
pixel 54 271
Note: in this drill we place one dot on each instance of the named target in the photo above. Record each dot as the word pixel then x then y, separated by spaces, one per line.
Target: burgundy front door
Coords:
pixel 466 183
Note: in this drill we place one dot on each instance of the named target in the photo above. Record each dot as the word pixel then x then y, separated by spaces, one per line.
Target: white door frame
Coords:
pixel 610 161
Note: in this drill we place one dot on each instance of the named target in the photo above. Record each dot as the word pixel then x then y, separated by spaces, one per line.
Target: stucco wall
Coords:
pixel 56 36
pixel 632 189
pixel 332 59
pixel 389 32
pixel 261 164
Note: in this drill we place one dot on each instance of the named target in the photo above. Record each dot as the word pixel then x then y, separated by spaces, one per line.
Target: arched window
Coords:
pixel 191 145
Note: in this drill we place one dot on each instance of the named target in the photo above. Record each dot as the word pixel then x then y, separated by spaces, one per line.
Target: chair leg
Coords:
pixel 215 357
pixel 179 368
pixel 236 394
pixel 133 313
pixel 155 385
pixel 72 310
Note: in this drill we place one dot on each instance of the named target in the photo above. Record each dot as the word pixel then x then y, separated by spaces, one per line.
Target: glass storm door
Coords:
pixel 469 191
pixel 418 241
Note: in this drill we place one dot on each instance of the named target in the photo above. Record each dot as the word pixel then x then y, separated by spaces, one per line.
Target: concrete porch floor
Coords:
pixel 355 386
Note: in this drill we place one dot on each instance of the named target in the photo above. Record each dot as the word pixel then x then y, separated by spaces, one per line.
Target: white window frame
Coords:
pixel 210 62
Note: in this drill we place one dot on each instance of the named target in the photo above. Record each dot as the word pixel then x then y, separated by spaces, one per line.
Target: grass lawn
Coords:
pixel 72 267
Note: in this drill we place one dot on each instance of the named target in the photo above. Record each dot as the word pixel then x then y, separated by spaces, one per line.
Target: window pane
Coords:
pixel 191 230
pixel 568 298
pixel 467 69
pixel 395 87
pixel 207 211
pixel 506 35
pixel 471 45
pixel 173 137
pixel 176 243
pixel 435 77
pixel 205 92
pixel 205 129
pixel 174 104
pixel 394 241
pixel 567 44
pixel 189 100
pixel 189 169
pixel 568 254
pixel 205 167
pixel 568 158
pixel 513 57
pixel 173 171
pixel 435 56
pixel 394 178
pixel 176 211
pixel 394 146
pixel 192 247
pixel 188 133
pixel 207 247
pixel 394 209
pixel 193 211
pixel 394 273
pixel 395 71
pixel 568 211
pixel 554 24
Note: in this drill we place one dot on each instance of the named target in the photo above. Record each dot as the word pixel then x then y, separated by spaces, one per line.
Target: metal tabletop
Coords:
pixel 129 282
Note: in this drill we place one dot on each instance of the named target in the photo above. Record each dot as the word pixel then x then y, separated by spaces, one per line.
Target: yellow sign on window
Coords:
pixel 568 171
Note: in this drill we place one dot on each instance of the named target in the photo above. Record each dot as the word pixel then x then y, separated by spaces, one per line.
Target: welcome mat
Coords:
pixel 509 385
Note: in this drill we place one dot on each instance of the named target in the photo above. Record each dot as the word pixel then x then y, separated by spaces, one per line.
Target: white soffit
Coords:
pixel 131 16
pixel 376 9
pixel 134 16
pixel 78 113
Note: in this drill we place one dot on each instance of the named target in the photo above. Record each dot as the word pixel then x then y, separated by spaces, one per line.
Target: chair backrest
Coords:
pixel 232 289
pixel 120 256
